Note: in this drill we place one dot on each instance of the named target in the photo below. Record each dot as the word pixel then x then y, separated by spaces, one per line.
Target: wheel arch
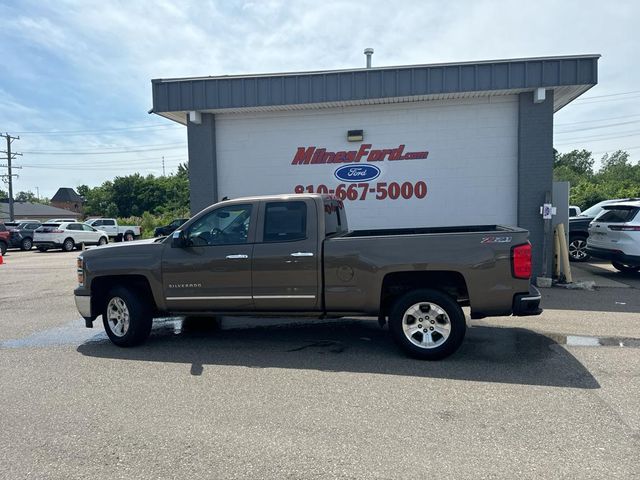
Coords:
pixel 101 286
pixel 396 284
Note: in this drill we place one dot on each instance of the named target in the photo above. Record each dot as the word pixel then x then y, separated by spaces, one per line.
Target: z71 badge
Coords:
pixel 496 240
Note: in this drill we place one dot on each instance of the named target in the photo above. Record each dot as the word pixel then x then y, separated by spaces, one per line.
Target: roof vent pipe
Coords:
pixel 368 52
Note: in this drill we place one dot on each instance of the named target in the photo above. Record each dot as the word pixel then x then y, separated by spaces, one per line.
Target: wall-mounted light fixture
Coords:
pixel 355 135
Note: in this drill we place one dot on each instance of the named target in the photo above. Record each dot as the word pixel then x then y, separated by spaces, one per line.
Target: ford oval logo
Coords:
pixel 357 173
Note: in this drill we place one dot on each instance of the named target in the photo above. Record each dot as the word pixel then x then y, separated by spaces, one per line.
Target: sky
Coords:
pixel 75 76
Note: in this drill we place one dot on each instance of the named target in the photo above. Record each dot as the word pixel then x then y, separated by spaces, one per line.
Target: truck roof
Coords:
pixel 280 197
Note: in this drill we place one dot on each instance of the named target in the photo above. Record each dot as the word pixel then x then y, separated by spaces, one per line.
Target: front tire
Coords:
pixel 26 244
pixel 578 248
pixel 126 317
pixel 623 267
pixel 68 245
pixel 427 324
pixel 103 241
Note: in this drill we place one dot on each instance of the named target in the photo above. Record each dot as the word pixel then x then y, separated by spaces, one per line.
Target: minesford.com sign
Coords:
pixel 361 169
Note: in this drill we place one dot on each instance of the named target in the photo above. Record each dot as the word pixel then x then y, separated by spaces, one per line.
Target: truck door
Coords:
pixel 212 270
pixel 109 227
pixel 285 257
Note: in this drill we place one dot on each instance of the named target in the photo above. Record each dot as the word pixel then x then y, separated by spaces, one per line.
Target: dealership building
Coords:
pixel 419 145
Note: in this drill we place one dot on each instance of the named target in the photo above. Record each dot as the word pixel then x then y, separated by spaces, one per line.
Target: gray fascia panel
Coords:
pixel 280 90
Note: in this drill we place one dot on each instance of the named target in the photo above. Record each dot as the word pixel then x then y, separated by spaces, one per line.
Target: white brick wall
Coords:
pixel 471 170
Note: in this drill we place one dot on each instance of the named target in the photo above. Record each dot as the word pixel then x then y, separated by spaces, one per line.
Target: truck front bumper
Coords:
pixel 83 304
pixel 525 304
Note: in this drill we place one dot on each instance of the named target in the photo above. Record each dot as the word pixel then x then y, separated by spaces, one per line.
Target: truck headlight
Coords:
pixel 81 271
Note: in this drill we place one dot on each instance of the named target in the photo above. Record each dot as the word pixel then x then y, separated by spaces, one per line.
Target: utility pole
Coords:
pixel 163 174
pixel 10 175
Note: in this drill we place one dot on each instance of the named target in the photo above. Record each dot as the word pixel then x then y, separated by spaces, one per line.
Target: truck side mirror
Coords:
pixel 178 239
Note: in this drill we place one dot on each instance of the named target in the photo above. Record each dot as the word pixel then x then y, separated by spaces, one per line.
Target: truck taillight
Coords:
pixel 521 261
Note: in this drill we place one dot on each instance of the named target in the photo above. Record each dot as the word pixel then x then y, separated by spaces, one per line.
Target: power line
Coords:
pixel 606 119
pixel 154 126
pixel 603 101
pixel 631 92
pixel 113 152
pixel 598 127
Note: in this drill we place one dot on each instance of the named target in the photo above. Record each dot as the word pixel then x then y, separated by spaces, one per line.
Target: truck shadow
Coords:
pixel 489 354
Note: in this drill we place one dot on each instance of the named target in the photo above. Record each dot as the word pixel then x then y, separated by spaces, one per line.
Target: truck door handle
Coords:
pixel 302 254
pixel 232 257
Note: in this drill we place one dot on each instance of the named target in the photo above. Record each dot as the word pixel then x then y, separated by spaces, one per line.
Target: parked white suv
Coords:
pixel 67 236
pixel 615 235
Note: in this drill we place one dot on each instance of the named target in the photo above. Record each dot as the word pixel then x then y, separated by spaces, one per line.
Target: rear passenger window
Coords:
pixel 285 221
pixel 617 215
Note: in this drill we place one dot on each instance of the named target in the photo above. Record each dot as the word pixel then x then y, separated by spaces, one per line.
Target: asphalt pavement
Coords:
pixel 331 399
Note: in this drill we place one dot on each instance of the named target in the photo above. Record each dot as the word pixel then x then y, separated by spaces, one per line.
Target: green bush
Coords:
pixel 148 222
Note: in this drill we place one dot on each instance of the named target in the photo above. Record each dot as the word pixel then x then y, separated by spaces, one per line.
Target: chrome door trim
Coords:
pixel 278 297
pixel 230 297
pixel 302 254
pixel 236 256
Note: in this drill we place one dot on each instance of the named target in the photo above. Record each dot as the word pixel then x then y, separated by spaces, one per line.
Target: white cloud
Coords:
pixel 89 64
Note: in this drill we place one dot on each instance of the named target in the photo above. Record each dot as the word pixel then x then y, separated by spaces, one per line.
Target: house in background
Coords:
pixel 68 199
pixel 34 211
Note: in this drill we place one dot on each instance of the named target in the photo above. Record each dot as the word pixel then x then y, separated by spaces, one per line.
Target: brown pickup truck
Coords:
pixel 293 255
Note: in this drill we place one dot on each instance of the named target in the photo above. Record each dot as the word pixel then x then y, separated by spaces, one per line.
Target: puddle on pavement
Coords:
pixel 75 333
pixel 588 341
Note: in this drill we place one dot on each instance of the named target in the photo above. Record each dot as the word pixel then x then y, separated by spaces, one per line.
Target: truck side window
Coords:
pixel 285 221
pixel 223 226
pixel 109 222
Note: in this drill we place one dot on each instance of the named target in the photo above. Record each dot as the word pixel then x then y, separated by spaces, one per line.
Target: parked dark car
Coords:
pixel 579 229
pixel 169 229
pixel 21 235
pixel 4 238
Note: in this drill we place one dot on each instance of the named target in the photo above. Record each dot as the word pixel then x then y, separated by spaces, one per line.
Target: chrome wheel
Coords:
pixel 426 325
pixel 578 249
pixel 118 317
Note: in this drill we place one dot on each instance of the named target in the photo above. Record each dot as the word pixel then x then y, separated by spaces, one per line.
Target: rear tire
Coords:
pixel 128 237
pixel 127 318
pixel 578 248
pixel 26 244
pixel 623 267
pixel 68 245
pixel 427 324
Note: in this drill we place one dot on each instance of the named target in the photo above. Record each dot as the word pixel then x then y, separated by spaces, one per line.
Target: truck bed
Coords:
pixel 429 230
pixel 358 264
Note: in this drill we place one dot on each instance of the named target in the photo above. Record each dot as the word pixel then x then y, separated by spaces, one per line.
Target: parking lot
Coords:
pixel 535 397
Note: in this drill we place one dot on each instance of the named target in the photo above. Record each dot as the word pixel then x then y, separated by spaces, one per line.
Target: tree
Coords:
pixel 3 194
pixel 617 177
pixel 133 195
pixel 30 197
pixel 578 161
